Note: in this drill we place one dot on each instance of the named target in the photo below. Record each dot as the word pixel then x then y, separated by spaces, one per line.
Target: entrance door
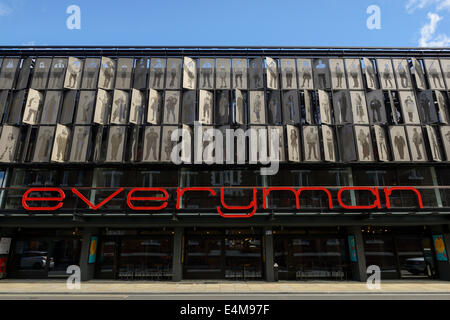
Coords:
pixel 204 257
pixel 415 257
pixel 107 258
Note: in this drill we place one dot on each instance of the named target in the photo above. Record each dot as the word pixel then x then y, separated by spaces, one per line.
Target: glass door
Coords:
pixel 63 253
pixel 107 258
pixel 415 257
pixel 203 257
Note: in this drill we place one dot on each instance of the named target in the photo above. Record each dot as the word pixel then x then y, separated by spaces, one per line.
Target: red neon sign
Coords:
pixel 131 199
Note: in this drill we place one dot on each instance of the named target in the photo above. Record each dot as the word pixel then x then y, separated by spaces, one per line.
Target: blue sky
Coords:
pixel 233 22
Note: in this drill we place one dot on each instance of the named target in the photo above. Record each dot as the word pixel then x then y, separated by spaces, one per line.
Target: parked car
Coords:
pixel 36 260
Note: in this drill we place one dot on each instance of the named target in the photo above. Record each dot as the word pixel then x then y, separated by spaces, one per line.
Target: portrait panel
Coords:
pixel 416 143
pixel 120 106
pixel 167 144
pixel 347 143
pixel 140 73
pixel 445 134
pixel 399 143
pixel 80 144
pixel 434 73
pixel 8 143
pixel 291 110
pixel 274 107
pixel 321 71
pixel 419 74
pixel 445 63
pixel 222 107
pixel 239 107
pixel 354 76
pixel 171 107
pixel 8 72
pixel 44 142
pixel 40 73
pixel 206 105
pixel 359 107
pixel 272 73
pixel 173 77
pixel 207 67
pixel 338 78
pixel 444 115
pixel 257 107
pixel 304 73
pixel 32 107
pixel 307 105
pixel 325 107
pixel 376 106
pixel 60 143
pixel 240 73
pixel 189 73
pixel 328 143
pixel 57 72
pixel 188 107
pixel 401 69
pixel 137 106
pixel 72 79
pixel 436 154
pixel 102 106
pixel 124 71
pixel 90 73
pixel 293 140
pixel 157 72
pixel 223 73
pixel 256 73
pixel 342 107
pixel 409 107
pixel 311 147
pixel 370 73
pixel 277 142
pixel 426 106
pixel 382 146
pixel 152 136
pixel 116 140
pixel 85 107
pixel 386 74
pixel 107 73
pixel 154 107
pixel 364 143
pixel 288 74
pixel 51 107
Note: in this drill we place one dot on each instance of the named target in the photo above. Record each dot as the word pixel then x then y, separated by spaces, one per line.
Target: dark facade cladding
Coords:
pixel 95 123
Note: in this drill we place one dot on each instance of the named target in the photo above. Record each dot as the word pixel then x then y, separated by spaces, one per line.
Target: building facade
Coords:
pixel 95 173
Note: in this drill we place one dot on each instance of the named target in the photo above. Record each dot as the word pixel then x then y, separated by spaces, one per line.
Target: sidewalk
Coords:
pixel 9 286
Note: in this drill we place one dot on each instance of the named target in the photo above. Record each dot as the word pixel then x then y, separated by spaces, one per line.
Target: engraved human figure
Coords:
pixel 339 75
pixel 359 108
pixel 81 138
pixel 291 106
pixel 311 141
pixel 73 69
pixel 44 141
pixel 136 106
pixel 355 75
pixel 382 145
pixel 410 108
pixel 222 73
pixel 51 110
pixel 256 75
pixel 294 144
pixel 425 104
pixel 239 109
pixel 326 111
pixel 371 73
pixel 289 71
pixel 400 144
pixel 8 148
pixel 418 143
pixel 58 70
pixel 206 71
pixel 108 73
pixel 419 72
pixel 120 110
pixel 273 109
pixel 123 75
pixel 306 71
pixel 169 144
pixel 170 108
pixel 116 141
pixel 435 146
pixel 32 107
pixel 330 144
pixel 91 70
pixel 207 109
pixel 173 74
pixel 190 74
pixel 154 107
pixel 151 140
pixel 364 139
pixel 375 105
pixel 257 108
pixel 402 73
pixel 157 73
pixel 238 73
pixel 223 106
pixel 434 74
pixel 342 103
pixel 40 75
pixel 321 73
pixel 387 76
pixel 272 68
pixel 61 140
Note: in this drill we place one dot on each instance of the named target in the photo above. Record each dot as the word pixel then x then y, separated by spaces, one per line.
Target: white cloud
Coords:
pixel 427 33
pixel 4 9
pixel 413 5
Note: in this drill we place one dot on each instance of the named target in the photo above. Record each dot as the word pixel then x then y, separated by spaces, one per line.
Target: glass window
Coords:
pixel 51 107
pixel 8 73
pixel 40 73
pixel 90 73
pixel 57 73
